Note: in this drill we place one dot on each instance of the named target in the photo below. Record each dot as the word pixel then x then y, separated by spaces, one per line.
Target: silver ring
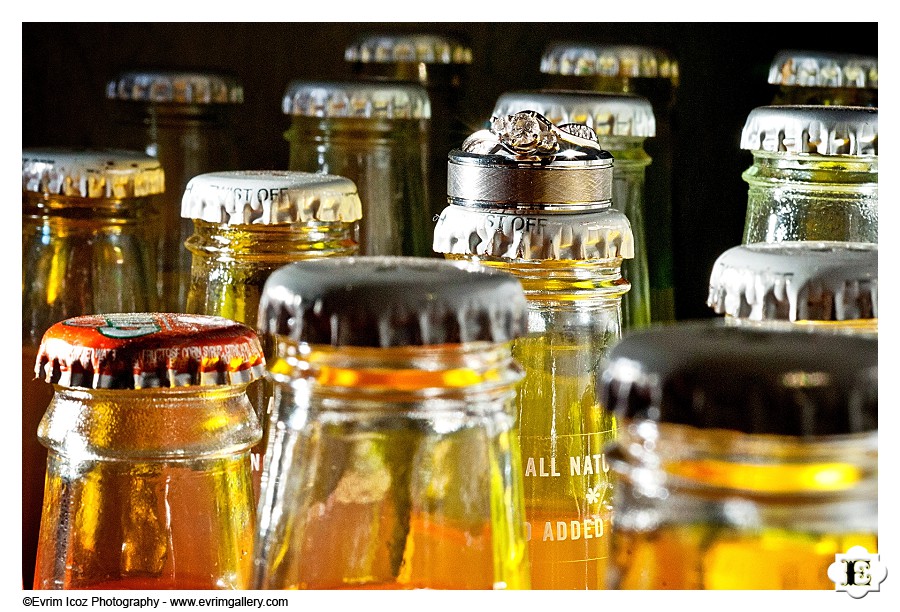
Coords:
pixel 528 133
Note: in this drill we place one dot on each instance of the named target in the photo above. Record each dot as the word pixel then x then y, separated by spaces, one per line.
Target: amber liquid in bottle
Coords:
pixel 79 256
pixel 742 521
pixel 385 492
pixel 147 488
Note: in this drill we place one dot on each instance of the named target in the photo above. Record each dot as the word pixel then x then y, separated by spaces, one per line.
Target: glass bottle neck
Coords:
pixel 563 282
pixel 153 424
pixel 477 372
pixel 277 243
pixel 166 114
pixel 813 172
pixel 628 152
pixel 357 132
pixel 656 457
pixel 111 210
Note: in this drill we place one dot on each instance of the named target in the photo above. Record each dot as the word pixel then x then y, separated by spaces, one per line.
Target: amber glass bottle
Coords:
pixel 747 458
pixel 393 461
pixel 88 245
pixel 149 435
pixel 533 200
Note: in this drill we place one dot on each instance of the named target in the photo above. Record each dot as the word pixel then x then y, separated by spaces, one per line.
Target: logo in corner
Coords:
pixel 857 572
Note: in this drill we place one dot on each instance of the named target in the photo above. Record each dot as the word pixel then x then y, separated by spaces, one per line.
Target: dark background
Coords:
pixel 723 68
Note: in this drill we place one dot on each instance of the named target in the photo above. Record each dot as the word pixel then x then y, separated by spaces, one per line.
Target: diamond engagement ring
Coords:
pixel 528 133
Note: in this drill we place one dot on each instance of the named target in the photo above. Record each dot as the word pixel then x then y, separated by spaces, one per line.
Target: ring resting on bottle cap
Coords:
pixel 531 134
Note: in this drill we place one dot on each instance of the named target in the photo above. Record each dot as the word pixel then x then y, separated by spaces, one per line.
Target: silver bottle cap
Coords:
pixel 604 234
pixel 85 173
pixel 710 375
pixel 825 130
pixel 796 68
pixel 176 87
pixel 392 301
pixel 794 281
pixel 587 59
pixel 408 48
pixel 608 114
pixel 246 197
pixel 525 162
pixel 369 99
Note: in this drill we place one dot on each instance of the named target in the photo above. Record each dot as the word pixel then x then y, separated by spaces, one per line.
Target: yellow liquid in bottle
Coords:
pixel 562 426
pixel 563 429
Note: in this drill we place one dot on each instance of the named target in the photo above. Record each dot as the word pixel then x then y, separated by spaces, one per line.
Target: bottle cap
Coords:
pixel 369 99
pixel 142 350
pixel 525 162
pixel 797 68
pixel 175 87
pixel 247 197
pixel 386 48
pixel 101 174
pixel 793 281
pixel 709 375
pixel 826 130
pixel 392 301
pixel 608 114
pixel 586 59
pixel 603 234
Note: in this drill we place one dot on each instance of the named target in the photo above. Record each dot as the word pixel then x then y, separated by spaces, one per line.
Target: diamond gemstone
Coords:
pixel 525 133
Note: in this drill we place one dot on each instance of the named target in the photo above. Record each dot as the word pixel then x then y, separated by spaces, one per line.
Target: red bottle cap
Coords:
pixel 141 350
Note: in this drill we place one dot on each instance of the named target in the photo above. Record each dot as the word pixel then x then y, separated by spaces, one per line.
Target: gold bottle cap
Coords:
pixel 392 301
pixel 175 87
pixel 365 99
pixel 84 173
pixel 587 59
pixel 383 48
pixel 246 197
pixel 709 375
pixel 608 114
pixel 800 68
pixel 794 281
pixel 141 350
pixel 825 130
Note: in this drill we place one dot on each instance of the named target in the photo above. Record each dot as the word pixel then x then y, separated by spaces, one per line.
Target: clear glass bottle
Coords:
pixel 747 458
pixel 393 461
pixel 88 245
pixel 820 77
pixel 376 134
pixel 439 62
pixel 534 200
pixel 183 119
pixel 149 435
pixel 814 174
pixel 247 224
pixel 653 73
pixel 812 285
pixel 622 123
